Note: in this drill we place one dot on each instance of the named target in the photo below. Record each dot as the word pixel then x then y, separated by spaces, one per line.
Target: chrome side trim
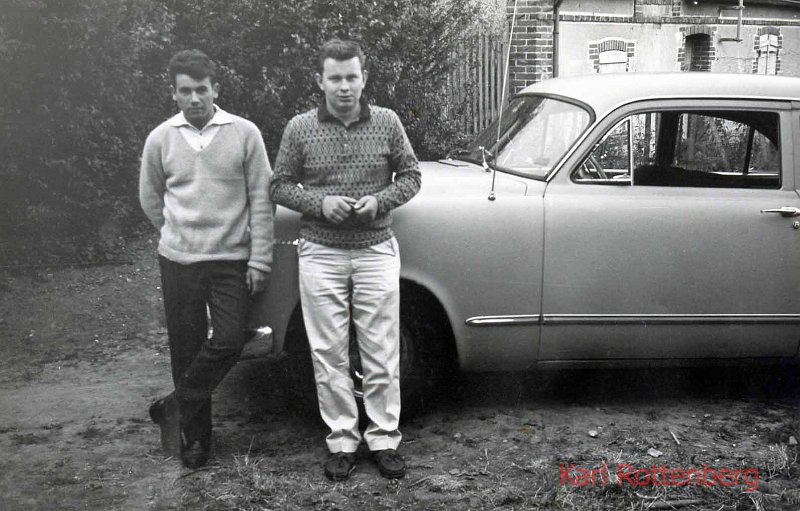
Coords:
pixel 671 319
pixel 511 320
pixel 635 319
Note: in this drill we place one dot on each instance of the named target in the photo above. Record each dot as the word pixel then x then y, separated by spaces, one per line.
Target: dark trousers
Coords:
pixel 199 363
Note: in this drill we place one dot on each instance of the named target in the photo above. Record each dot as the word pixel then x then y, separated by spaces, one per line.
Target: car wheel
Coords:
pixel 427 355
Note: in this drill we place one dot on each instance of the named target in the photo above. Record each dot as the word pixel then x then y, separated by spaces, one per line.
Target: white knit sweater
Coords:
pixel 211 204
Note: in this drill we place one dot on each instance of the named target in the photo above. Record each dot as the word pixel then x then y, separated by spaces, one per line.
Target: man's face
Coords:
pixel 195 98
pixel 342 82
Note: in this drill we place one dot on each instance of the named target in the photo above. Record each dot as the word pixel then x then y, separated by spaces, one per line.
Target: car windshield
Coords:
pixel 535 133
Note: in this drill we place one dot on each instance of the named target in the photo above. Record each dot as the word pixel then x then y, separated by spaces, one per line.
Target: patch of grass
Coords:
pixel 248 484
pixel 780 460
pixel 28 439
pixel 652 414
pixel 92 433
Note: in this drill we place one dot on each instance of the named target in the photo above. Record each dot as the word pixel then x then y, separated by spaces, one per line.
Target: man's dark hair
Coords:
pixel 338 49
pixel 194 63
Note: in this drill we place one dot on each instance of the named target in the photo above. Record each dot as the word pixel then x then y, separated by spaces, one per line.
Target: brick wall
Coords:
pixel 531 43
pixel 698 45
pixel 532 40
pixel 656 8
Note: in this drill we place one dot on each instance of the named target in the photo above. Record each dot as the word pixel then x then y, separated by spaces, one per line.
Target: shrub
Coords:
pixel 86 81
pixel 79 92
pixel 270 60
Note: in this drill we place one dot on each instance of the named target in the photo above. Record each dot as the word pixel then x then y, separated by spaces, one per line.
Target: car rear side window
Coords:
pixel 707 149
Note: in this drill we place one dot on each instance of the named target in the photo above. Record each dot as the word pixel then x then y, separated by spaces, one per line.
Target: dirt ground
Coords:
pixel 83 353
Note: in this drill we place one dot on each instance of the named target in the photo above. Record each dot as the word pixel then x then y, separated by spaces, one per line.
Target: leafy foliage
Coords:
pixel 270 61
pixel 75 78
pixel 84 81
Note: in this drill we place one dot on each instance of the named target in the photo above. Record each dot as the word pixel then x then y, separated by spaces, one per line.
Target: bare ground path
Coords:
pixel 83 353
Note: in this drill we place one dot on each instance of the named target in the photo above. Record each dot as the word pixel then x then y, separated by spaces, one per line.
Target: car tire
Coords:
pixel 427 356
pixel 428 359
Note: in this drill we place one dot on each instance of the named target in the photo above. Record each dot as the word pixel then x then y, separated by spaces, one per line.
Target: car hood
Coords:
pixel 459 177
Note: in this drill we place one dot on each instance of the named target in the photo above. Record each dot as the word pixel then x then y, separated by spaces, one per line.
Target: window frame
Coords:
pixel 610 63
pixel 768 48
pixel 611 121
pixel 558 164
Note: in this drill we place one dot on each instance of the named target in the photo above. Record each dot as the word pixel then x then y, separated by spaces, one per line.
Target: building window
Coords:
pixel 613 61
pixel 699 52
pixel 612 55
pixel 767 61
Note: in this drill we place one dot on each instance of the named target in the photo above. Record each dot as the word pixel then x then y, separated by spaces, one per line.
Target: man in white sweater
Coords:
pixel 204 185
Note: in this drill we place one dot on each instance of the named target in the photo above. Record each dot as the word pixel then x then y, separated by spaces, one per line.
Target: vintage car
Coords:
pixel 605 219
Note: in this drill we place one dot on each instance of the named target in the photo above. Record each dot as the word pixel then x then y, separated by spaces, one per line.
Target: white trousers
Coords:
pixel 331 281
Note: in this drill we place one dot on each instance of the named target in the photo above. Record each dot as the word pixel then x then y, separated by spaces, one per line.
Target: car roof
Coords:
pixel 604 92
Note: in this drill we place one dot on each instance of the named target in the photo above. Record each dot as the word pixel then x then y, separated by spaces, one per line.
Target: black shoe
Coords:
pixel 195 455
pixel 166 413
pixel 390 464
pixel 339 465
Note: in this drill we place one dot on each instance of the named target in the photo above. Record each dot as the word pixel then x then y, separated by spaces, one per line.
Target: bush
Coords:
pixel 87 81
pixel 270 61
pixel 81 94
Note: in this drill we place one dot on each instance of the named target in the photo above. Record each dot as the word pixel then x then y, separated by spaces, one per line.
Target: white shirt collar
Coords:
pixel 220 117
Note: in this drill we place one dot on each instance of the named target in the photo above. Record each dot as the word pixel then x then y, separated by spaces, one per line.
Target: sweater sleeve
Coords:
pixel 257 172
pixel 284 189
pixel 407 178
pixel 152 180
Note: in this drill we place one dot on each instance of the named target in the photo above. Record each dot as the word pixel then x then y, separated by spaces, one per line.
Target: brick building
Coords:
pixel 573 37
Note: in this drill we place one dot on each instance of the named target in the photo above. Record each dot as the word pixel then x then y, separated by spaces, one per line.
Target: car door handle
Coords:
pixel 784 211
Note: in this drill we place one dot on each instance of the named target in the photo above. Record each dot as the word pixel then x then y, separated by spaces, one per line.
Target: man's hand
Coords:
pixel 256 280
pixel 337 208
pixel 366 208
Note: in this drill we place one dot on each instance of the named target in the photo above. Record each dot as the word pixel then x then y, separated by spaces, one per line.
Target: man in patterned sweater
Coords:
pixel 203 185
pixel 345 166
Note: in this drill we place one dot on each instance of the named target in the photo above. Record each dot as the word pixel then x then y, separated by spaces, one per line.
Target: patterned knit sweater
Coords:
pixel 319 156
pixel 210 204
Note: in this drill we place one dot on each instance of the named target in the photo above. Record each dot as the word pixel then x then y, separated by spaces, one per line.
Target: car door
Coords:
pixel 669 235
